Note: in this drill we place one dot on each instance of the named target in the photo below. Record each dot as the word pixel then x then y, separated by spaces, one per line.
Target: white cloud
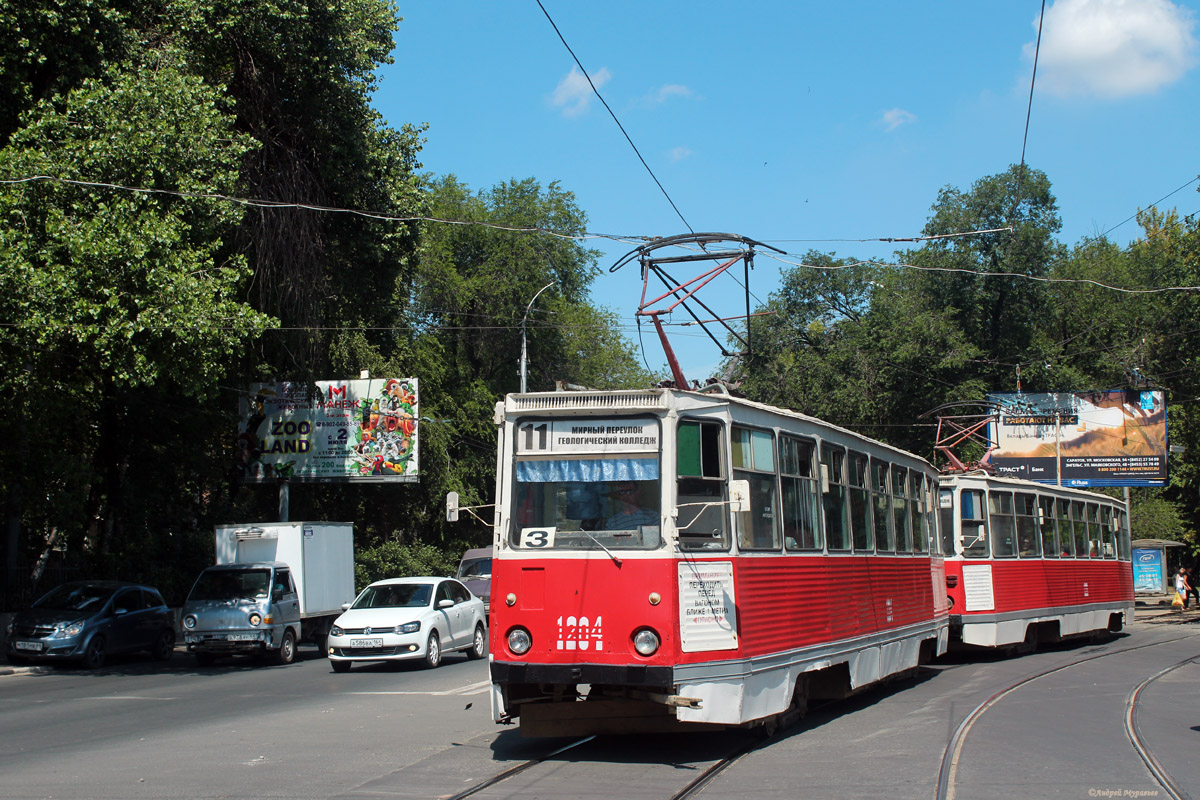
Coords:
pixel 680 153
pixel 573 94
pixel 896 117
pixel 665 93
pixel 1113 48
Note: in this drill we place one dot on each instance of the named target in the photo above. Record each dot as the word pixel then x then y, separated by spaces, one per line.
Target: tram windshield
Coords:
pixel 588 503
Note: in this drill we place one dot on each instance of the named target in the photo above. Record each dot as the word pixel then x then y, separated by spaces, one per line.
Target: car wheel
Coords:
pixel 433 651
pixel 479 645
pixel 164 645
pixel 287 649
pixel 340 666
pixel 205 659
pixel 93 656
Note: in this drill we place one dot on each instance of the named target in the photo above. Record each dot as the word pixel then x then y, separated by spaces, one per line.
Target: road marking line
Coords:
pixel 474 688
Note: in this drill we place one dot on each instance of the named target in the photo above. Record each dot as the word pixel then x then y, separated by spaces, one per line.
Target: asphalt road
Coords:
pixel 141 729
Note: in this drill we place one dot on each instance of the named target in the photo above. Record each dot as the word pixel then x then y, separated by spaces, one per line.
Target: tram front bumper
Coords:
pixel 631 675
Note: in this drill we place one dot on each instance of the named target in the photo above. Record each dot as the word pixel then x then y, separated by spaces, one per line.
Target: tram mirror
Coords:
pixel 452 507
pixel 739 496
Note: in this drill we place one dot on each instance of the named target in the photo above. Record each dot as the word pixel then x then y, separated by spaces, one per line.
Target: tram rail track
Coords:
pixel 951 758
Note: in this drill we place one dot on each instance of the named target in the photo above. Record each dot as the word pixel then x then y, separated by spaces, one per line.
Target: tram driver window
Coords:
pixel 700 487
pixel 974 528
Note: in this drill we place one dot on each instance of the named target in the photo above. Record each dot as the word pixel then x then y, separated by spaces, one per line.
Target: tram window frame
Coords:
pixel 1029 540
pixel 881 506
pixel 858 501
pixel 1108 542
pixel 1066 526
pixel 1093 529
pixel 947 508
pixel 799 493
pixel 1079 528
pixel 833 498
pixel 1047 526
pixel 980 546
pixel 702 482
pixel 917 518
pixel 900 525
pixel 753 456
pixel 1002 523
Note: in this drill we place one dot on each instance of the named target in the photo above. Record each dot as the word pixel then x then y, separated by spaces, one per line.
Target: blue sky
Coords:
pixel 801 124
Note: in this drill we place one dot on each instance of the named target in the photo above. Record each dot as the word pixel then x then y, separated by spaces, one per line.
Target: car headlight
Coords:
pixel 189 621
pixel 67 630
pixel 255 618
pixel 646 642
pixel 336 631
pixel 409 627
pixel 519 641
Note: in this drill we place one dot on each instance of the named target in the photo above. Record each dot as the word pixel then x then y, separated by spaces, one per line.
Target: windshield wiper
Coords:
pixel 599 544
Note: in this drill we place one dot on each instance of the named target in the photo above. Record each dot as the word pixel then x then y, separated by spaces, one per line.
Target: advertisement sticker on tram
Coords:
pixel 707 611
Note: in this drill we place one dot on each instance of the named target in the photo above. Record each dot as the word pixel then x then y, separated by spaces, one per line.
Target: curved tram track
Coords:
pixel 951 759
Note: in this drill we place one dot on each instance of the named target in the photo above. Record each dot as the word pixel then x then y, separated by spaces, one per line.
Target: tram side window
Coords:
pixel 1124 544
pixel 833 496
pixel 946 512
pixel 881 504
pixel 974 527
pixel 1047 527
pixel 1079 526
pixel 900 510
pixel 860 511
pixel 1066 539
pixel 754 460
pixel 801 530
pixel 1108 541
pixel 1028 540
pixel 1093 528
pixel 700 487
pixel 917 515
pixel 1002 524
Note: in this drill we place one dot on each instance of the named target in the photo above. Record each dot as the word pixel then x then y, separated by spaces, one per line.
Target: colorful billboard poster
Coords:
pixel 1109 438
pixel 363 431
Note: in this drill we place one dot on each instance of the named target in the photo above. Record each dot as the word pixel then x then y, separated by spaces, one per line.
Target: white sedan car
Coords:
pixel 401 619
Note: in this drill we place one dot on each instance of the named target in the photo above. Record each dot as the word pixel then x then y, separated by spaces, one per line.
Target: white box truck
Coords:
pixel 274 585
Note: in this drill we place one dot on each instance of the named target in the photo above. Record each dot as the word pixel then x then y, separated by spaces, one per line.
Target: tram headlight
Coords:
pixel 646 642
pixel 519 641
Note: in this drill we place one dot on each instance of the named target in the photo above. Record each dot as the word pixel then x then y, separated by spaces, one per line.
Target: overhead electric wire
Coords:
pixel 657 182
pixel 1029 109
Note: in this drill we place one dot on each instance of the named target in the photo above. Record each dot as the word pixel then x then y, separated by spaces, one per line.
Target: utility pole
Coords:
pixel 524 360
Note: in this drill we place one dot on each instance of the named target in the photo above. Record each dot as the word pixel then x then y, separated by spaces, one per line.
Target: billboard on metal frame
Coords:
pixel 357 430
pixel 1105 438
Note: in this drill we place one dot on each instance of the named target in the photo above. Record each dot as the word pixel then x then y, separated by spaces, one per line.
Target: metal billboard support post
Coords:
pixel 284 498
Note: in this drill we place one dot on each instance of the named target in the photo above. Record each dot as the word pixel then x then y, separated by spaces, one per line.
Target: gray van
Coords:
pixel 475 570
pixel 243 609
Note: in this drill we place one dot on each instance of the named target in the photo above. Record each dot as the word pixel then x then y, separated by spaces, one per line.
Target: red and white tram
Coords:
pixel 670 559
pixel 1029 562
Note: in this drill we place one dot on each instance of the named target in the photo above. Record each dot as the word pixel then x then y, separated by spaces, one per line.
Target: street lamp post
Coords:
pixel 524 360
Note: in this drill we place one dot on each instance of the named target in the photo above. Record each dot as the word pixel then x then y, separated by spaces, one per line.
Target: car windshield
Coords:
pixel 75 597
pixel 475 568
pixel 395 595
pixel 223 584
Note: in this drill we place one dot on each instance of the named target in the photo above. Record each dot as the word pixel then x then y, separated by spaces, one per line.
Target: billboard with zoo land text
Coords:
pixel 1105 438
pixel 359 430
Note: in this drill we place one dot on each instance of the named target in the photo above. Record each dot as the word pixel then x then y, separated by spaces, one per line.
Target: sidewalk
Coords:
pixel 1157 609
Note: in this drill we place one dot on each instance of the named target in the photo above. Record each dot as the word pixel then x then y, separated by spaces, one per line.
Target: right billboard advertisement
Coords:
pixel 1108 438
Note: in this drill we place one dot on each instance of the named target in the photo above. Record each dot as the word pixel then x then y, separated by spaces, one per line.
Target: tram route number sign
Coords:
pixel 707 608
pixel 564 436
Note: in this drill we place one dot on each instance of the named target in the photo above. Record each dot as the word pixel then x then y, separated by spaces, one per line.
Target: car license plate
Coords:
pixel 36 646
pixel 241 637
pixel 366 642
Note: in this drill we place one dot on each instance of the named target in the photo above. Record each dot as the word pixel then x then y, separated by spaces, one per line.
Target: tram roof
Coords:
pixel 631 401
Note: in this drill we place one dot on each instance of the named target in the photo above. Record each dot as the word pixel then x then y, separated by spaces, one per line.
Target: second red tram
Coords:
pixel 1029 562
pixel 671 559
